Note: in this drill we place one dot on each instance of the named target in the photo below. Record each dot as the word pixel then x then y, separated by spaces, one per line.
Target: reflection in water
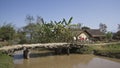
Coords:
pixel 47 59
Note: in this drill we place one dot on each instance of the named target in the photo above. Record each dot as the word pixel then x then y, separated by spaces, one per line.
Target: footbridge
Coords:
pixel 57 47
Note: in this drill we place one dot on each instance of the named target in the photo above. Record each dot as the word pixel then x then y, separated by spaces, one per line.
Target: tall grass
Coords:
pixel 6 61
pixel 112 50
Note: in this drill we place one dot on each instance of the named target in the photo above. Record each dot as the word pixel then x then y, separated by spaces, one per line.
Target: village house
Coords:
pixel 89 35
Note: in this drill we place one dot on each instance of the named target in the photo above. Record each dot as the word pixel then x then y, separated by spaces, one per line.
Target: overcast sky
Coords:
pixel 88 12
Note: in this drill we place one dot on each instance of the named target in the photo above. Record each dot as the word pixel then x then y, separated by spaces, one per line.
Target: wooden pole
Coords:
pixel 68 51
pixel 55 49
pixel 26 53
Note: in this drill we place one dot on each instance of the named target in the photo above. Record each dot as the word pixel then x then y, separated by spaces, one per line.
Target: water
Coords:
pixel 46 59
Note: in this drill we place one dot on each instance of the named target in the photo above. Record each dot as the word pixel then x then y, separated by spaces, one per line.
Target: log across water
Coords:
pixel 59 48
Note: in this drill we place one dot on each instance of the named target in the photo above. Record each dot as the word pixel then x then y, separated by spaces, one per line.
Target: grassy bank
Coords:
pixel 6 61
pixel 112 50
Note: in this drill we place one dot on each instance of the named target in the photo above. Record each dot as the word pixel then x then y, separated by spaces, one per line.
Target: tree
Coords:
pixel 102 27
pixel 29 19
pixel 117 35
pixel 118 27
pixel 61 30
pixel 21 36
pixel 85 28
pixel 29 28
pixel 109 36
pixel 65 23
pixel 39 20
pixel 46 32
pixel 76 26
pixel 7 32
pixel 79 25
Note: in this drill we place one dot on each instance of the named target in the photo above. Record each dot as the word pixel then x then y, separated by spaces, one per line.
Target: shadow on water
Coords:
pixel 18 56
pixel 34 54
pixel 38 53
pixel 44 54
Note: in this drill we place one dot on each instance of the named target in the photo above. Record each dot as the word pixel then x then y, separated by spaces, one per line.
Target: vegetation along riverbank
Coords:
pixel 40 31
pixel 111 50
pixel 6 61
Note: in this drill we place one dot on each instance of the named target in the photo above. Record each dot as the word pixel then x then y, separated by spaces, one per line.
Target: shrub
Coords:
pixel 86 50
pixel 109 51
pixel 6 61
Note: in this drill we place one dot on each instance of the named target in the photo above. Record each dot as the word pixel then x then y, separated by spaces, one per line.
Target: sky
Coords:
pixel 88 12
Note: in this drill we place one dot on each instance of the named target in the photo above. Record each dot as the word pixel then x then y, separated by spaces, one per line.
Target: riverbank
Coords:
pixel 110 50
pixel 6 61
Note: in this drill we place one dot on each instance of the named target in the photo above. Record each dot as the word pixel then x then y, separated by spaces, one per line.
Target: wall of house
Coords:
pixel 82 36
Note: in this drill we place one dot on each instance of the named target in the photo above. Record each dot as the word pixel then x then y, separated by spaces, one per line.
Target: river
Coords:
pixel 46 59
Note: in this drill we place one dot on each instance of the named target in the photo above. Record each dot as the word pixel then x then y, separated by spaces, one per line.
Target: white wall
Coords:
pixel 82 35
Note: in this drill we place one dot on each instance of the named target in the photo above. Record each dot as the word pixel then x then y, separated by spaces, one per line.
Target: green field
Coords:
pixel 6 61
pixel 112 50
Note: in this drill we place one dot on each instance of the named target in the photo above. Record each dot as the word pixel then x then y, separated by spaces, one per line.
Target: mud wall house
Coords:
pixel 89 35
pixel 83 36
pixel 95 34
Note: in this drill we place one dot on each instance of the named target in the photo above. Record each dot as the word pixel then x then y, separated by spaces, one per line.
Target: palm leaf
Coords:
pixel 70 20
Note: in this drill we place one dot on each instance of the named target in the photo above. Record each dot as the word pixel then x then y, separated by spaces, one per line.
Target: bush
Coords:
pixel 4 43
pixel 6 61
pixel 109 51
pixel 86 50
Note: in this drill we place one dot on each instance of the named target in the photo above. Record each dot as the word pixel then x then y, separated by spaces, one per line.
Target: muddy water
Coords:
pixel 45 59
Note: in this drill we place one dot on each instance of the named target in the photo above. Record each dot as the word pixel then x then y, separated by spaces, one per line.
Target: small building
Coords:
pixel 82 36
pixel 95 34
pixel 90 34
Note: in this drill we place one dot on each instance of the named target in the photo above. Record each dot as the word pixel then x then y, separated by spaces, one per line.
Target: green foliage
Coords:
pixel 118 27
pixel 112 47
pixel 109 51
pixel 109 36
pixel 37 31
pixel 5 43
pixel 102 27
pixel 6 61
pixel 75 26
pixel 21 36
pixel 86 50
pixel 7 32
pixel 85 28
pixel 117 35
pixel 42 32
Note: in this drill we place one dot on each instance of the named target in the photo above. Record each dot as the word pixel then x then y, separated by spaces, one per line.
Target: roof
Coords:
pixel 95 32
